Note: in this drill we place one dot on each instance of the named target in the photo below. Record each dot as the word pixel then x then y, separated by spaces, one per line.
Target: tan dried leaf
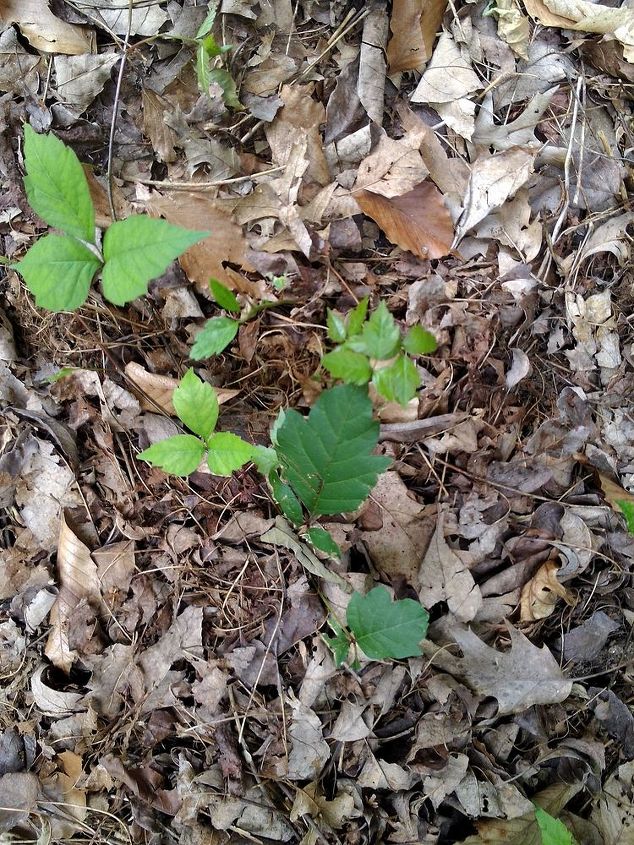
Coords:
pixel 540 594
pixel 414 24
pixel 614 813
pixel 19 794
pixel 301 114
pixel 443 576
pixel 513 26
pixel 372 65
pixel 394 167
pixel 43 30
pixel 158 390
pixel 161 135
pixel 584 16
pixel 81 78
pixel 78 580
pixel 417 221
pixel 225 244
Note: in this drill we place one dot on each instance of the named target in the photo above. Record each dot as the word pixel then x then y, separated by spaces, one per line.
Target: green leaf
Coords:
pixel 178 455
pixel 214 336
pixel 137 250
pixel 224 297
pixel 398 382
pixel 327 456
pixel 58 270
pixel 210 17
pixel 56 186
pixel 337 331
pixel 340 643
pixel 383 628
pixel 285 499
pixel 322 540
pixel 196 404
pixel 349 366
pixel 627 509
pixel 357 316
pixel 380 337
pixel 265 459
pixel 227 453
pixel 553 831
pixel 223 78
pixel 418 341
pixel 203 66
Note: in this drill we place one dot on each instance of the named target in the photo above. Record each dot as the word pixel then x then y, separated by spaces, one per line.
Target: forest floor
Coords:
pixel 165 677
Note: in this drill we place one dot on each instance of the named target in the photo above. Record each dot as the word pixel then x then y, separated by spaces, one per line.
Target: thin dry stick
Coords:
pixel 115 110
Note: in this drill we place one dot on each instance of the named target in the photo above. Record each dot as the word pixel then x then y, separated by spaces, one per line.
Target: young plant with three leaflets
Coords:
pixel 59 269
pixel 373 350
pixel 196 404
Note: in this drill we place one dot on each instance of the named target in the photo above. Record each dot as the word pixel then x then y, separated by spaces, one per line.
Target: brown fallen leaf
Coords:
pixel 414 24
pixel 43 30
pixel 584 16
pixel 539 595
pixel 417 221
pixel 225 245
pixel 160 133
pixel 158 390
pixel 78 580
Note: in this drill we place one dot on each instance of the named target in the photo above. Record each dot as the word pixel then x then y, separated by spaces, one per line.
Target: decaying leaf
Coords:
pixel 79 581
pixel 614 813
pixel 513 26
pixel 417 221
pixel 539 595
pixel 372 66
pixel 45 31
pixel 443 576
pixel 413 24
pixel 81 78
pixel 519 678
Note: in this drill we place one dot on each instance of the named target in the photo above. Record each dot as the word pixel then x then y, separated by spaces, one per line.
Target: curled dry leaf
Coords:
pixel 513 26
pixel 417 221
pixel 43 30
pixel 78 580
pixel 158 390
pixel 414 24
pixel 539 595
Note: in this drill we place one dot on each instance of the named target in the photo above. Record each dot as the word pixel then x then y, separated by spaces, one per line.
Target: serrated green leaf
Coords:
pixel 327 456
pixel 224 297
pixel 322 540
pixel 58 270
pixel 196 404
pixel 178 455
pixel 224 79
pixel 553 831
pixel 214 336
pixel 139 249
pixel 627 509
pixel 285 499
pixel 227 453
pixel 380 337
pixel 351 367
pixel 398 382
pixel 56 186
pixel 384 628
pixel 418 341
pixel 357 316
pixel 340 643
pixel 337 331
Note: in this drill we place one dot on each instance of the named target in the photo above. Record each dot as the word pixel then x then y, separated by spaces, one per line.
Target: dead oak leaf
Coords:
pixel 519 678
pixel 417 221
pixel 539 595
pixel 443 576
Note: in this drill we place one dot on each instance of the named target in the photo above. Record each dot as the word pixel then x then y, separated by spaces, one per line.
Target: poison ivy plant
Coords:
pixel 196 404
pixel 373 349
pixel 209 61
pixel 380 627
pixel 627 509
pixel 59 269
pixel 553 831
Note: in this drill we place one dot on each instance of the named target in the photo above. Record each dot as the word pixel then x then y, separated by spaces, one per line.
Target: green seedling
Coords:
pixel 372 349
pixel 210 59
pixel 59 269
pixel 553 831
pixel 218 332
pixel 196 404
pixel 381 628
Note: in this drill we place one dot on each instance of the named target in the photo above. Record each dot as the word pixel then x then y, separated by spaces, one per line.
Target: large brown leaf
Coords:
pixel 417 221
pixel 414 24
